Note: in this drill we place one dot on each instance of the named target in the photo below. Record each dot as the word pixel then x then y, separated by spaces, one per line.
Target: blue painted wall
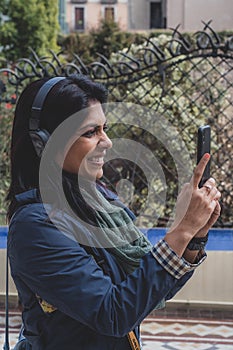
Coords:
pixel 219 239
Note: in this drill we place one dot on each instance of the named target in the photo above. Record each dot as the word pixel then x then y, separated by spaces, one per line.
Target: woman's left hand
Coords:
pixel 214 217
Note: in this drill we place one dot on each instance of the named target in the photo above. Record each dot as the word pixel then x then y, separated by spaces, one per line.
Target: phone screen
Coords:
pixel 203 146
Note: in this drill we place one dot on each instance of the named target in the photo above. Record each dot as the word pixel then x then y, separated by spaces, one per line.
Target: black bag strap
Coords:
pixel 22 344
pixel 6 345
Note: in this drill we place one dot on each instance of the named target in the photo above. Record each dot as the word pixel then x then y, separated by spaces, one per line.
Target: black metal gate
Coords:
pixel 187 81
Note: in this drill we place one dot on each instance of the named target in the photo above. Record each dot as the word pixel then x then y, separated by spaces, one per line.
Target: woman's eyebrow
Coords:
pixel 91 125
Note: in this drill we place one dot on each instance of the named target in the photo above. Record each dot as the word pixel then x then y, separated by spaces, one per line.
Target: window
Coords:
pixel 109 14
pixel 158 14
pixel 79 18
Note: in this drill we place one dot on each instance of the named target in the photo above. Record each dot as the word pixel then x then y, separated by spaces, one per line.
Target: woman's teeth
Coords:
pixel 97 160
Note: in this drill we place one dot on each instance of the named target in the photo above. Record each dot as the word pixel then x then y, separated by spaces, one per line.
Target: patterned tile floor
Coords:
pixel 188 328
pixel 187 334
pixel 166 330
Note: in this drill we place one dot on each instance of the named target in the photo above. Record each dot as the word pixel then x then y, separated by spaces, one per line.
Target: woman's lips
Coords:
pixel 98 161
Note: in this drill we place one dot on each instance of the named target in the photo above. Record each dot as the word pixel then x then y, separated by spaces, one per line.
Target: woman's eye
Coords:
pixel 94 131
pixel 105 128
pixel 89 133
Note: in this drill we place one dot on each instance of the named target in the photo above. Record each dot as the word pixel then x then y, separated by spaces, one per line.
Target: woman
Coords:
pixel 87 277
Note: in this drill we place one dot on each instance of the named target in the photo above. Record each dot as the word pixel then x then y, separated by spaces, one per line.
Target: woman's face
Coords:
pixel 86 155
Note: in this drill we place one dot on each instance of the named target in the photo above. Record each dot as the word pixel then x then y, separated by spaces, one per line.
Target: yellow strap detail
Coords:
pixel 133 341
pixel 46 307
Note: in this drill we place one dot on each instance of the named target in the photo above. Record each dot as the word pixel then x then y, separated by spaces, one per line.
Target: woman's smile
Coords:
pixel 96 160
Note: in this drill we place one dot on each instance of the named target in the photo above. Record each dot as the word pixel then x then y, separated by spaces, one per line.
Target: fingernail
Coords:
pixel 207 156
pixel 211 179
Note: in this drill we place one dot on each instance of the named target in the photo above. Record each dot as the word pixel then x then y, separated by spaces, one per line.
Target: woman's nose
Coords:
pixel 105 141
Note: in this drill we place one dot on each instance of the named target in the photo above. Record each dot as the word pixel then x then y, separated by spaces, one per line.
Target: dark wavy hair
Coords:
pixel 67 97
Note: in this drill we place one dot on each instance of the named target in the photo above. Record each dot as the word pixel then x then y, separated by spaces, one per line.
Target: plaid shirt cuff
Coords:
pixel 171 262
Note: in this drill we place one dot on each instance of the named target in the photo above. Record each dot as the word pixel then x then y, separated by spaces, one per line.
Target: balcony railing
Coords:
pixel 108 2
pixel 78 1
pixel 104 2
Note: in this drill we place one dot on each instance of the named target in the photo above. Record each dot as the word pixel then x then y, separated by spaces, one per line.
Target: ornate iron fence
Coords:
pixel 183 80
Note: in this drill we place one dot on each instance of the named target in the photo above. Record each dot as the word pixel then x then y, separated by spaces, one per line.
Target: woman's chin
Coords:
pixel 92 175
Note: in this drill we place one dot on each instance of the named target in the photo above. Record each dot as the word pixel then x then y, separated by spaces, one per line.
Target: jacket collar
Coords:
pixel 30 196
pixel 33 196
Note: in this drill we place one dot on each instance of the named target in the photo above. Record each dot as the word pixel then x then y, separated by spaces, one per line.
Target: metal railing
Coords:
pixel 184 80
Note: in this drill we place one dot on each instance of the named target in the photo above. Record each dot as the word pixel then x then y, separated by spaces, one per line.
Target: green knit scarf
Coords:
pixel 123 239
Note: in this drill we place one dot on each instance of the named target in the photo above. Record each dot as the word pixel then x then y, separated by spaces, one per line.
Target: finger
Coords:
pixel 210 182
pixel 213 205
pixel 211 192
pixel 219 208
pixel 215 215
pixel 210 189
pixel 199 170
pixel 215 194
pixel 208 186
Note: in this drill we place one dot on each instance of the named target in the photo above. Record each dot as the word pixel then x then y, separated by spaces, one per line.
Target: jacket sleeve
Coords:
pixel 60 271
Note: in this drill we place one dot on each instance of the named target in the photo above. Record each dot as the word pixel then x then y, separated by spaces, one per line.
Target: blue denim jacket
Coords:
pixel 94 303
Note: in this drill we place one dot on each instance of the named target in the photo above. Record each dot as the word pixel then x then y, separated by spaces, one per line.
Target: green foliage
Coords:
pixel 28 24
pixel 104 40
pixel 107 39
pixel 76 43
pixel 190 94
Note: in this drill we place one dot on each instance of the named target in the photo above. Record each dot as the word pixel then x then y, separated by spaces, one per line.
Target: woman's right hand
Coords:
pixel 195 206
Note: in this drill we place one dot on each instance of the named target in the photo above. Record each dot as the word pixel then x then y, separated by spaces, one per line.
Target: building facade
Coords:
pixel 190 13
pixel 83 15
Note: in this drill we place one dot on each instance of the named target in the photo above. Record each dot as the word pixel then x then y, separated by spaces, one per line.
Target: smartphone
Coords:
pixel 203 146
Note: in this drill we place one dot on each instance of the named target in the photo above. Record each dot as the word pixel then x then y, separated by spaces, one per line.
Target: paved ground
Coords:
pixel 188 329
pixel 171 329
